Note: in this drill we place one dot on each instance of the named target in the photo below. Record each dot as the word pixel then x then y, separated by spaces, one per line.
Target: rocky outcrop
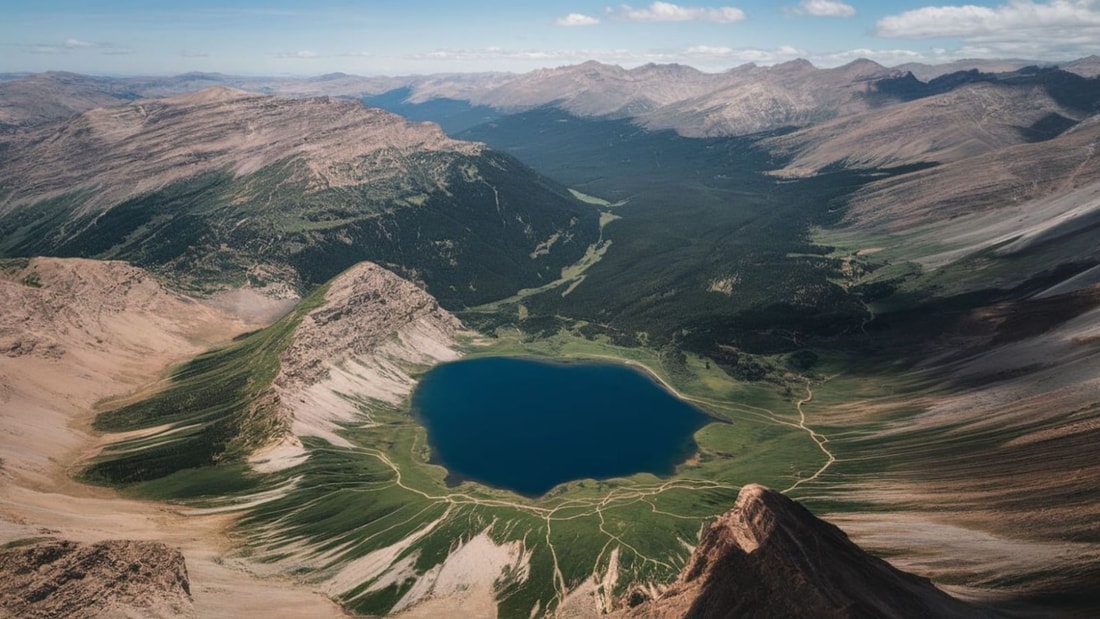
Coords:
pixel 364 307
pixel 770 557
pixel 112 578
pixel 353 352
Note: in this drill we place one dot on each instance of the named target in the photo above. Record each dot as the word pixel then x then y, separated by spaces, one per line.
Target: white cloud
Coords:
pixel 1020 28
pixel 47 49
pixel 823 8
pixel 737 55
pixel 577 19
pixel 71 46
pixel 706 57
pixel 970 20
pixel 666 11
pixel 556 55
pixel 302 54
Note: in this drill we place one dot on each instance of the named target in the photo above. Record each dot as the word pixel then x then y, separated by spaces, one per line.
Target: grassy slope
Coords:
pixel 384 490
pixel 214 409
pixel 470 243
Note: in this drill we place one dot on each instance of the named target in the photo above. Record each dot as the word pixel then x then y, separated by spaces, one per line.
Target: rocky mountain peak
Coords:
pixel 666 70
pixel 1089 66
pixel 798 65
pixel 770 557
pixel 213 94
pixel 863 68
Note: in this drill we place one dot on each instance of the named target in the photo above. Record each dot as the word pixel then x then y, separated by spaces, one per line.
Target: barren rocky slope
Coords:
pixel 964 123
pixel 111 578
pixel 752 99
pixel 372 327
pixel 596 89
pixel 48 97
pixel 154 143
pixel 925 72
pixel 770 557
pixel 993 476
pixel 70 331
pixel 1088 66
pixel 1005 180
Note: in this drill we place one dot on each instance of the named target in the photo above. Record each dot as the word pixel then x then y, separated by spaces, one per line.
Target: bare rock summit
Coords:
pixel 770 557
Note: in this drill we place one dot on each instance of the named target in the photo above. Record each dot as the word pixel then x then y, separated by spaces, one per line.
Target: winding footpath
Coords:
pixel 817 437
pixel 820 439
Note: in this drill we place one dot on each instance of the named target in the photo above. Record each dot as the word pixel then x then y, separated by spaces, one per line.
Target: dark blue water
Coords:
pixel 528 425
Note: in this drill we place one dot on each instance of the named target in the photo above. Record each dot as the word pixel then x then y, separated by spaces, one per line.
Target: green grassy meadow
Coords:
pixel 384 491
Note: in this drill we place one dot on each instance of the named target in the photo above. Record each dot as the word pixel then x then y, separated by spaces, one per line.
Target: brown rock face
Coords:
pixel 770 557
pixel 113 578
pixel 363 308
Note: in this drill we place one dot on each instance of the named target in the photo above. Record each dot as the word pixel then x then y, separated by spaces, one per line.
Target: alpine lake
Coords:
pixel 528 425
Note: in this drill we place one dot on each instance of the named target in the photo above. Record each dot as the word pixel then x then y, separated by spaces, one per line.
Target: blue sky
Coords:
pixel 284 37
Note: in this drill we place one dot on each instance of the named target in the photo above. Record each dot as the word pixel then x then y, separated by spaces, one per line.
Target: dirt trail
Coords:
pixel 817 437
pixel 814 435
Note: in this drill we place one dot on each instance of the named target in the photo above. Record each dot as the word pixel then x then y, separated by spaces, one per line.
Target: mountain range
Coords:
pixel 880 283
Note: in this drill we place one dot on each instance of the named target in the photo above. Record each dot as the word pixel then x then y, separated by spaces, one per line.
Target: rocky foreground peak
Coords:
pixel 112 578
pixel 770 557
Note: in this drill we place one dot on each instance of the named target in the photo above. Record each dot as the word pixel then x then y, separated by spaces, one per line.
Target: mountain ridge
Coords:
pixel 633 92
pixel 223 188
pixel 770 557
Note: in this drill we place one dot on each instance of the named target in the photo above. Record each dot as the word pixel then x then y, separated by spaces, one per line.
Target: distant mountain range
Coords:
pixel 588 89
